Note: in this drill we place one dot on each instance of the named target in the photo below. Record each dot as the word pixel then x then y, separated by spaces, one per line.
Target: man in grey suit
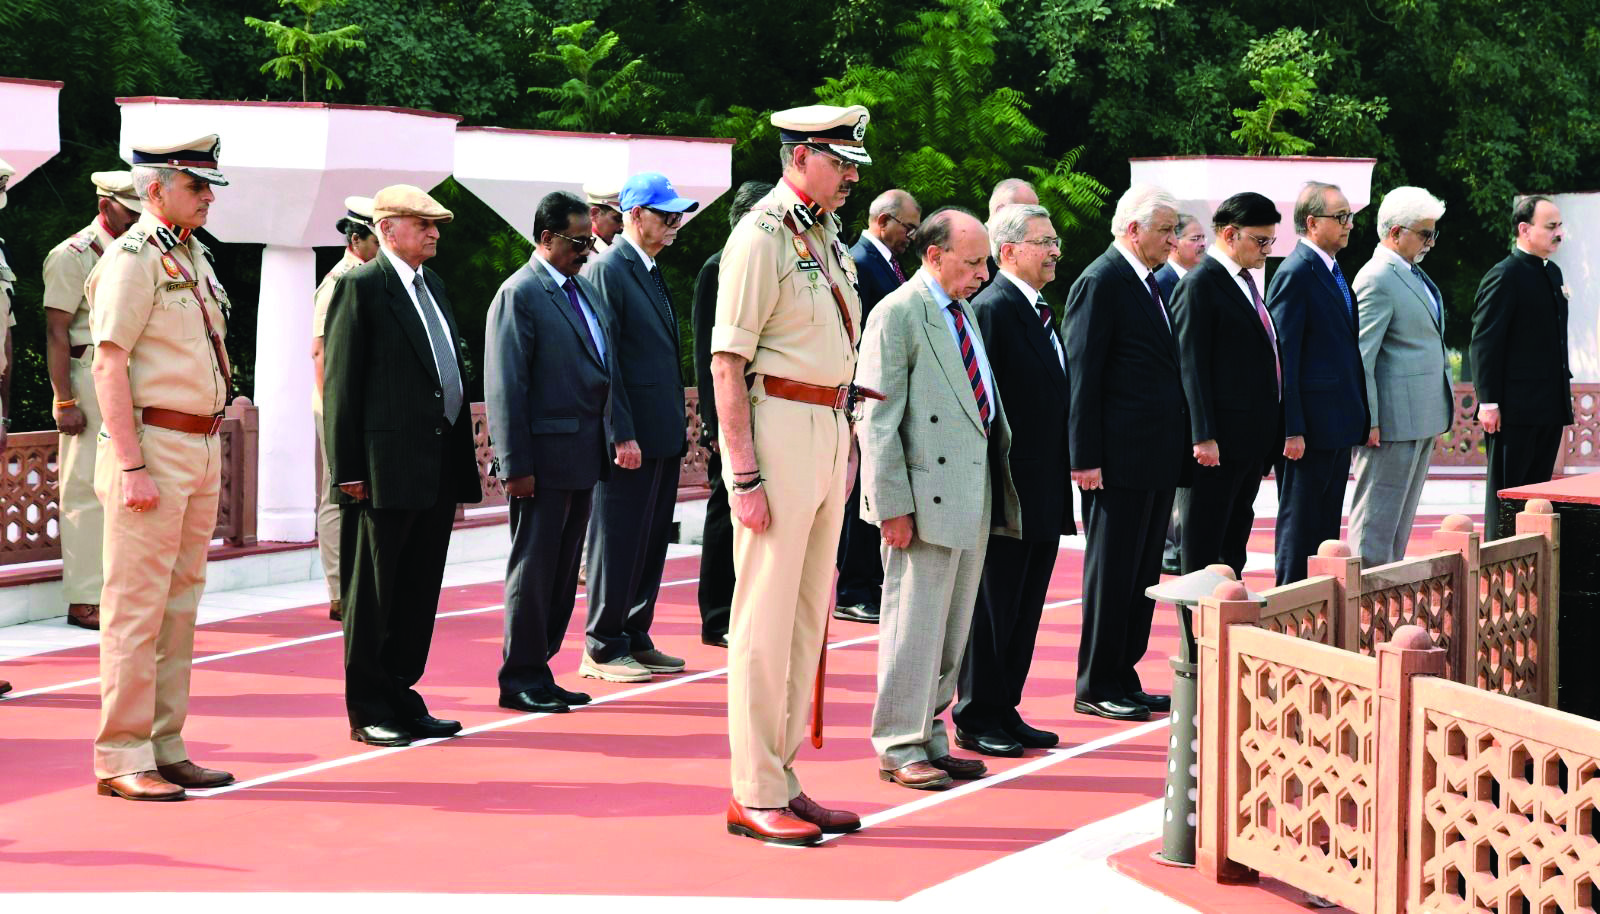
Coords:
pixel 632 519
pixel 1408 379
pixel 547 382
pixel 933 474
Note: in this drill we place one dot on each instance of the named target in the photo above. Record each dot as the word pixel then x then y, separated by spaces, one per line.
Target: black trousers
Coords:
pixel 860 559
pixel 1310 507
pixel 547 533
pixel 716 558
pixel 391 565
pixel 1005 625
pixel 1126 529
pixel 1216 512
pixel 628 534
pixel 1519 455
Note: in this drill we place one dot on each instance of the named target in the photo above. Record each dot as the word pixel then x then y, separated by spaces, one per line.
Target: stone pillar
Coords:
pixel 287 498
pixel 1410 653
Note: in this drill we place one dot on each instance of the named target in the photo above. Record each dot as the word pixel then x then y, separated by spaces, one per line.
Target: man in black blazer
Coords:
pixel 1231 380
pixel 1127 431
pixel 1029 364
pixel 400 452
pixel 547 385
pixel 716 547
pixel 1185 257
pixel 891 225
pixel 1325 410
pixel 1520 369
pixel 632 520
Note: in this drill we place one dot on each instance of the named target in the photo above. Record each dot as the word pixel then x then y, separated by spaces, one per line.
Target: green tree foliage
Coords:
pixel 306 51
pixel 1284 89
pixel 594 98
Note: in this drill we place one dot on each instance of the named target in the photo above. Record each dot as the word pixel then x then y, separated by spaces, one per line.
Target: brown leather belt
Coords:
pixel 175 421
pixel 78 351
pixel 815 394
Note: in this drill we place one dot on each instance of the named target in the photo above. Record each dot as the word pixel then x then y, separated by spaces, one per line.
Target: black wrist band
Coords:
pixel 133 469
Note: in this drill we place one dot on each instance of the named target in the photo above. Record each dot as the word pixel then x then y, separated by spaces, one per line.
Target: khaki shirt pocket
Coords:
pixel 809 288
pixel 176 316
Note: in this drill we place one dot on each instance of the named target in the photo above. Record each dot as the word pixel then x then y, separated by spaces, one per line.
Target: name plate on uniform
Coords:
pixel 180 286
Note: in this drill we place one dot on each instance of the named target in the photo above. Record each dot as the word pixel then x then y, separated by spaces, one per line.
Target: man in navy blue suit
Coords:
pixel 891 224
pixel 1324 387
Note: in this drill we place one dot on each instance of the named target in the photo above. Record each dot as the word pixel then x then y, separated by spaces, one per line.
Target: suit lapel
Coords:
pixel 558 300
pixel 405 313
pixel 1147 305
pixel 1332 285
pixel 1038 342
pixel 949 357
pixel 642 276
pixel 1419 288
pixel 1219 274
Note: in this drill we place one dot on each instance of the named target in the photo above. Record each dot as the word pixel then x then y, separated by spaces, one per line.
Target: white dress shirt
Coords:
pixel 1327 259
pixel 1409 267
pixel 1034 297
pixel 649 262
pixel 1145 274
pixel 1216 253
pixel 407 275
pixel 1178 268
pixel 560 280
pixel 943 299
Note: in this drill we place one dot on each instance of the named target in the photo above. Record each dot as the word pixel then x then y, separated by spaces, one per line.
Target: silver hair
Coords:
pixel 890 201
pixel 1405 206
pixel 1312 201
pixel 145 175
pixel 1005 193
pixel 1139 205
pixel 1010 225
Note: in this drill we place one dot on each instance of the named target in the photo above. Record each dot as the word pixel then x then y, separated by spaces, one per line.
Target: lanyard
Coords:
pixel 822 265
pixel 211 334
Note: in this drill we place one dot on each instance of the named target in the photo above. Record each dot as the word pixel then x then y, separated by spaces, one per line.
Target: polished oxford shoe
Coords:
pixel 534 701
pixel 917 776
pixel 1033 737
pixel 141 785
pixel 1112 709
pixel 1160 704
pixel 962 769
pixel 84 615
pixel 384 734
pixel 714 641
pixel 995 742
pixel 188 774
pixel 571 698
pixel 428 726
pixel 831 821
pixel 774 826
pixel 860 612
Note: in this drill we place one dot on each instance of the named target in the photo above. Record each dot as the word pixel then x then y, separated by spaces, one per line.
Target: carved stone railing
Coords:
pixel 1463 445
pixel 30 513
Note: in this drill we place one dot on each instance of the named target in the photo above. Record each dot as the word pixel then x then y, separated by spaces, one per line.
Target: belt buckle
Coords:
pixel 216 423
pixel 841 398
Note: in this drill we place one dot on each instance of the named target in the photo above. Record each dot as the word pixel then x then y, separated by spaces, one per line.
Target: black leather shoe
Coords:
pixel 388 733
pixel 571 698
pixel 995 742
pixel 860 612
pixel 1033 737
pixel 1160 704
pixel 536 701
pixel 427 726
pixel 1112 709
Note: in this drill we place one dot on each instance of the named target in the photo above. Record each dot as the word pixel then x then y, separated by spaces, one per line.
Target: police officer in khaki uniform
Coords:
pixel 69 354
pixel 161 373
pixel 783 353
pixel 605 213
pixel 361 245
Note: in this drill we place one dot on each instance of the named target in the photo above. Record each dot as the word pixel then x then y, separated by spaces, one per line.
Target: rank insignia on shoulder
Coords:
pixel 768 226
pixel 135 239
pixel 171 266
pixel 180 286
pixel 806 217
pixel 78 244
pixel 165 238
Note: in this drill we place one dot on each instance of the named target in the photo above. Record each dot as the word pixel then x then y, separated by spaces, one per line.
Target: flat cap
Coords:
pixel 407 200
pixel 359 209
pixel 118 186
pixel 831 128
pixel 602 193
pixel 197 157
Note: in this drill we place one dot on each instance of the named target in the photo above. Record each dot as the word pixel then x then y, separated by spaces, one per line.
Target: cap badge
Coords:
pixel 860 131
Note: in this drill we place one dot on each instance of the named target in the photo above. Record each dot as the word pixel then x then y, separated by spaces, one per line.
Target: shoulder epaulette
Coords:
pixel 134 238
pixel 79 242
pixel 769 217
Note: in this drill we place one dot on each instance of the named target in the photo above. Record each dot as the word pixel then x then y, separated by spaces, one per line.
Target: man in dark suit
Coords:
pixel 891 225
pixel 632 520
pixel 1029 364
pixel 1127 432
pixel 716 549
pixel 1325 411
pixel 547 385
pixel 1520 369
pixel 400 451
pixel 1231 380
pixel 1185 257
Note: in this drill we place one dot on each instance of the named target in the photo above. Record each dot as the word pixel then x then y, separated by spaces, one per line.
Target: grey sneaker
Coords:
pixel 622 669
pixel 657 662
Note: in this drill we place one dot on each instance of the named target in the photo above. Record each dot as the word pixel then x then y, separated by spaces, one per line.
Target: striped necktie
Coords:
pixel 1344 289
pixel 969 359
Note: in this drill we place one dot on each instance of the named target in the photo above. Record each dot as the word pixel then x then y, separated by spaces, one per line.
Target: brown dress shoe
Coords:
pixel 962 769
pixel 774 826
pixel 188 774
pixel 84 615
pixel 831 821
pixel 141 785
pixel 4 687
pixel 917 776
pixel 335 611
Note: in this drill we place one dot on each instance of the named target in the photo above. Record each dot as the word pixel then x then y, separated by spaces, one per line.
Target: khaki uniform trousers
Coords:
pixel 155 572
pixel 327 520
pixel 82 520
pixel 780 598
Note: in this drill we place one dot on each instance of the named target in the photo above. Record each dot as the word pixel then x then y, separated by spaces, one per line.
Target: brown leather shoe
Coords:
pixel 141 785
pixel 917 776
pixel 831 821
pixel 962 769
pixel 84 615
pixel 774 826
pixel 335 611
pixel 188 774
pixel 4 687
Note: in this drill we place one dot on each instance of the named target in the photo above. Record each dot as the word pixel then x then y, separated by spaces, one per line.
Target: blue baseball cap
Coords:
pixel 652 189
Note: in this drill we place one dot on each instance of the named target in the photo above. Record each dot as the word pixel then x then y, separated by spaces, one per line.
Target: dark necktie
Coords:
pixel 1344 289
pixel 1417 272
pixel 1266 324
pixel 969 358
pixel 661 286
pixel 1155 295
pixel 443 352
pixel 898 273
pixel 1044 313
pixel 571 288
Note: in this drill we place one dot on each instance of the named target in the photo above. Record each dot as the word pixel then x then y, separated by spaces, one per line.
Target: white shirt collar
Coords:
pixel 1178 268
pixel 940 296
pixel 649 262
pixel 400 266
pixel 1393 255
pixel 1327 259
pixel 1028 292
pixel 1139 269
pixel 1543 260
pixel 1220 256
pixel 882 248
pixel 555 274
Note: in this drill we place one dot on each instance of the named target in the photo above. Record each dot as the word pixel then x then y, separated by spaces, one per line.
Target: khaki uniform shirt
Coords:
pixel 66 269
pixel 8 320
pixel 774 307
pixel 141 300
pixel 319 313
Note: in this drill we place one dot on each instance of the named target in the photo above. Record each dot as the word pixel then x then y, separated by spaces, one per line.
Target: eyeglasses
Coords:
pixel 1428 236
pixel 1341 218
pixel 1197 239
pixel 1262 243
pixel 911 230
pixel 671 220
pixel 840 165
pixel 1051 242
pixel 585 243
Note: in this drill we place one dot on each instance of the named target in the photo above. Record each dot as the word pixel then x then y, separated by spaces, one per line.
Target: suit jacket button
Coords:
pixel 933 418
pixel 941 460
pixel 936 500
pixel 438 393
pixel 438 431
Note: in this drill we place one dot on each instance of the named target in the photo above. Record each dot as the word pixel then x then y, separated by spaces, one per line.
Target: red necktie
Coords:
pixel 898 274
pixel 1266 324
pixel 969 358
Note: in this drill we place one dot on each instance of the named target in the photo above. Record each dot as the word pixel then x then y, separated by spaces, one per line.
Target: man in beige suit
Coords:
pixel 934 473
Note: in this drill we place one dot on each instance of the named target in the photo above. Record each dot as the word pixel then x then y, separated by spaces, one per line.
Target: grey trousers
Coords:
pixel 327 522
pixel 928 595
pixel 1389 480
